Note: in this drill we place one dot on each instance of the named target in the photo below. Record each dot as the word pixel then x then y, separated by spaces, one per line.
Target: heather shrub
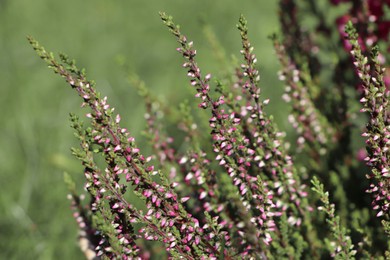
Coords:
pixel 223 182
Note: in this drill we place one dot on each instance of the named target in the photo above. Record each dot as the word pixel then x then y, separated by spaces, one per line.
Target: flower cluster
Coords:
pixel 373 27
pixel 375 102
pixel 315 132
pixel 237 192
pixel 231 146
pixel 165 214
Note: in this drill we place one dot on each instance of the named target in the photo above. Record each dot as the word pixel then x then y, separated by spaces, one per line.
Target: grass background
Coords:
pixel 35 220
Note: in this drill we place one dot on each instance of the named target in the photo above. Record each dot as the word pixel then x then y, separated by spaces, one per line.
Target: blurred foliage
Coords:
pixel 35 220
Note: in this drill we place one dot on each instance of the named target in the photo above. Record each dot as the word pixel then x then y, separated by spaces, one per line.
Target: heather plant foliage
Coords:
pixel 236 188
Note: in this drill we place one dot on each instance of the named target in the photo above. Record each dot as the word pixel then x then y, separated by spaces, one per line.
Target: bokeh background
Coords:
pixel 35 137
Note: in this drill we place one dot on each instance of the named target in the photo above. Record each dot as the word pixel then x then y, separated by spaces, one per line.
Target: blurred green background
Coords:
pixel 35 217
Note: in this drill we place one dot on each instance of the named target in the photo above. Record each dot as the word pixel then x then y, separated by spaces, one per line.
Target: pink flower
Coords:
pixel 361 154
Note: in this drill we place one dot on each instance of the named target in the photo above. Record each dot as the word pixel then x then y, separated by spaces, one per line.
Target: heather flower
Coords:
pixel 314 131
pixel 235 191
pixel 227 138
pixel 375 102
pixel 164 210
pixel 373 26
